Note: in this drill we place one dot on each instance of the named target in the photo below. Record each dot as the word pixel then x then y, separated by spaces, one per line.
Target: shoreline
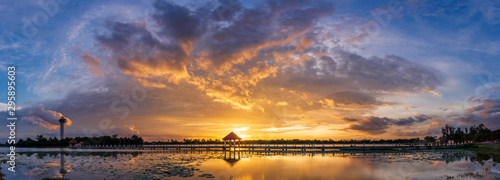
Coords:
pixel 483 147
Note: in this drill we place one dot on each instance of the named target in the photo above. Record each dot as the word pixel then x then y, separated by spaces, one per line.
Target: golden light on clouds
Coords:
pixel 264 73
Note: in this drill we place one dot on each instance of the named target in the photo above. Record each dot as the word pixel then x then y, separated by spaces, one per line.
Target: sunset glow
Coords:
pixel 250 89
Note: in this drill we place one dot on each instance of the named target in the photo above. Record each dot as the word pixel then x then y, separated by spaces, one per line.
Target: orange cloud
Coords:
pixel 45 118
pixel 132 129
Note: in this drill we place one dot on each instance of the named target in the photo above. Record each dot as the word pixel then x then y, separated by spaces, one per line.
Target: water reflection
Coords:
pixel 175 164
pixel 232 159
pixel 63 169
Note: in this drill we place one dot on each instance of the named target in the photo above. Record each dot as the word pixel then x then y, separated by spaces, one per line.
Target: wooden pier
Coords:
pixel 231 139
pixel 275 147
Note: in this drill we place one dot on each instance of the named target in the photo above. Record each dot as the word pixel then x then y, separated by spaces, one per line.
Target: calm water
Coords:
pixel 35 163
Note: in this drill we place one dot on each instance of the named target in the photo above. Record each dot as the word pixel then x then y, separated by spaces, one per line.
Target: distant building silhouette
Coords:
pixel 75 144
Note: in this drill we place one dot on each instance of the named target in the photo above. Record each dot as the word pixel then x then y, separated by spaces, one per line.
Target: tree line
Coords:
pixel 475 133
pixel 42 141
pixel 289 141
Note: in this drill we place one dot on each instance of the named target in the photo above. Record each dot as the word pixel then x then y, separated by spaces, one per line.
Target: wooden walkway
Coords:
pixel 274 147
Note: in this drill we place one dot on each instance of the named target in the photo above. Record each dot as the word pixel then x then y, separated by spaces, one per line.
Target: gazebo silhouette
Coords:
pixel 232 138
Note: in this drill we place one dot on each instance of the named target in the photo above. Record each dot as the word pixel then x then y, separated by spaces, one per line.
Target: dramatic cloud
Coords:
pixel 378 125
pixel 274 67
pixel 371 124
pixel 176 22
pixel 274 41
pixel 485 106
pixel 488 108
pixel 137 52
pixel 282 68
pixel 347 70
pixel 266 25
pixel 45 118
pixel 487 113
pixel 273 60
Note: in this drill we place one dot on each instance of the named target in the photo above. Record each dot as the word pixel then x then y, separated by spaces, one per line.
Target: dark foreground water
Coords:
pixel 33 163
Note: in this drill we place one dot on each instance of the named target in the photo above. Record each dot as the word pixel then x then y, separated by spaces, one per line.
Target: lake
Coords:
pixel 39 163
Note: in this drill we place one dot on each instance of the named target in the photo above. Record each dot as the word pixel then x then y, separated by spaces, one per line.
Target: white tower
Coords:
pixel 62 121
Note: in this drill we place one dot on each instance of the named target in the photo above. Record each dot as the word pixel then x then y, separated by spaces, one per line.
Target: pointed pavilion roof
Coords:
pixel 73 141
pixel 231 136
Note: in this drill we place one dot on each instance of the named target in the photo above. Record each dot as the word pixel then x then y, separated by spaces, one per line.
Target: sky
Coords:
pixel 288 69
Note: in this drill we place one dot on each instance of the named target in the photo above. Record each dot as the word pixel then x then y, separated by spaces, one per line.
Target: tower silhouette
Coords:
pixel 62 121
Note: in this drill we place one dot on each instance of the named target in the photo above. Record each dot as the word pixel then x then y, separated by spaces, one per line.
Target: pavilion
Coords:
pixel 232 137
